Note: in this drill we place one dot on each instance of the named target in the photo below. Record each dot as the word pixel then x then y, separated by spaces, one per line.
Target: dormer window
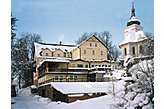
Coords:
pixel 47 54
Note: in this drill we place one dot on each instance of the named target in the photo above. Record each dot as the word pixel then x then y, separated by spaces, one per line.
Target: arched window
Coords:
pixel 133 50
pixel 125 52
pixel 140 49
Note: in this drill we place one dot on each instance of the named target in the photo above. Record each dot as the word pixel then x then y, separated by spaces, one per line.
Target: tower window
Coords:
pixel 140 49
pixel 58 55
pixel 133 50
pixel 125 52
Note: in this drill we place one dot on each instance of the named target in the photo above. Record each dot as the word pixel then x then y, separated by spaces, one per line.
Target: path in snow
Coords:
pixel 25 100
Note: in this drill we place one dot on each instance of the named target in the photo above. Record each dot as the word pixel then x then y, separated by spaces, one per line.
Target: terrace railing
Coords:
pixel 76 80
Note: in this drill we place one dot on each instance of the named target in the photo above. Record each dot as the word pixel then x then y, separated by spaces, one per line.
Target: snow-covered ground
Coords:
pixel 26 100
pixel 121 95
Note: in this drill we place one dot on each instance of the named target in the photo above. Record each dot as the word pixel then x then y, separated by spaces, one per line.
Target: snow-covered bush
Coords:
pixel 141 93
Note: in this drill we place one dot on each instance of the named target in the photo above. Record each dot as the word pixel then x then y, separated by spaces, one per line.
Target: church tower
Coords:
pixel 134 37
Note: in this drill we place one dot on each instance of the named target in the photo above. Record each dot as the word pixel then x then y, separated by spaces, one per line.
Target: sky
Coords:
pixel 67 20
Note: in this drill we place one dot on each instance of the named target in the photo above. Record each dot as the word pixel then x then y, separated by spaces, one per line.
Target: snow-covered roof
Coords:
pixel 133 18
pixel 59 60
pixel 116 74
pixel 53 47
pixel 56 60
pixel 128 59
pixel 81 87
pixel 33 87
pixel 134 37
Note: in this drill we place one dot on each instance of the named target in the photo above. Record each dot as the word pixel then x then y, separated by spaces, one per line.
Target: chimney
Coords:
pixel 60 42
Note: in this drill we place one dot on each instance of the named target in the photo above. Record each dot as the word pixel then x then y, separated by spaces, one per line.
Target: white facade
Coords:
pixel 134 38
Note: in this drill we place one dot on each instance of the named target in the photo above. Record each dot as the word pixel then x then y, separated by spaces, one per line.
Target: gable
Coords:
pixel 93 38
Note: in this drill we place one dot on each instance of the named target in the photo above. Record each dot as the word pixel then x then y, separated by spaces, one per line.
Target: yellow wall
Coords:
pixel 73 64
pixel 89 55
pixel 47 51
pixel 60 52
pixel 76 54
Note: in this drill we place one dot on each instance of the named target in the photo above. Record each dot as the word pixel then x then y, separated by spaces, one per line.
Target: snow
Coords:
pixel 81 87
pixel 76 95
pixel 128 59
pixel 116 74
pixel 33 87
pixel 39 47
pixel 134 37
pixel 26 100
pixel 133 19
pixel 58 60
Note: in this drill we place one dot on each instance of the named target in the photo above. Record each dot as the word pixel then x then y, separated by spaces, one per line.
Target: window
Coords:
pixel 71 77
pixel 75 77
pixel 86 66
pixel 133 50
pixel 84 51
pixel 46 54
pixel 140 49
pixel 95 44
pixel 125 51
pixel 80 65
pixel 58 55
pixel 61 77
pixel 64 54
pixel 52 54
pixel 90 44
pixel 56 77
pixel 101 53
pixel 93 52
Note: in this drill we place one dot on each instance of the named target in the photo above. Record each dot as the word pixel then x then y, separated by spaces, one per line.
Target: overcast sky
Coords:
pixel 67 20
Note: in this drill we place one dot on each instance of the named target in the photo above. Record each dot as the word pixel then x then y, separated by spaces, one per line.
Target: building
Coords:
pixel 134 38
pixel 72 91
pixel 71 63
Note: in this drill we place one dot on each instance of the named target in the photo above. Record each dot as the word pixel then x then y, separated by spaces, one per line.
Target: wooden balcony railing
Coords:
pixel 76 80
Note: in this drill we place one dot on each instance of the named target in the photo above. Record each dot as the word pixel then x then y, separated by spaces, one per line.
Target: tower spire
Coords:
pixel 133 19
pixel 132 10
